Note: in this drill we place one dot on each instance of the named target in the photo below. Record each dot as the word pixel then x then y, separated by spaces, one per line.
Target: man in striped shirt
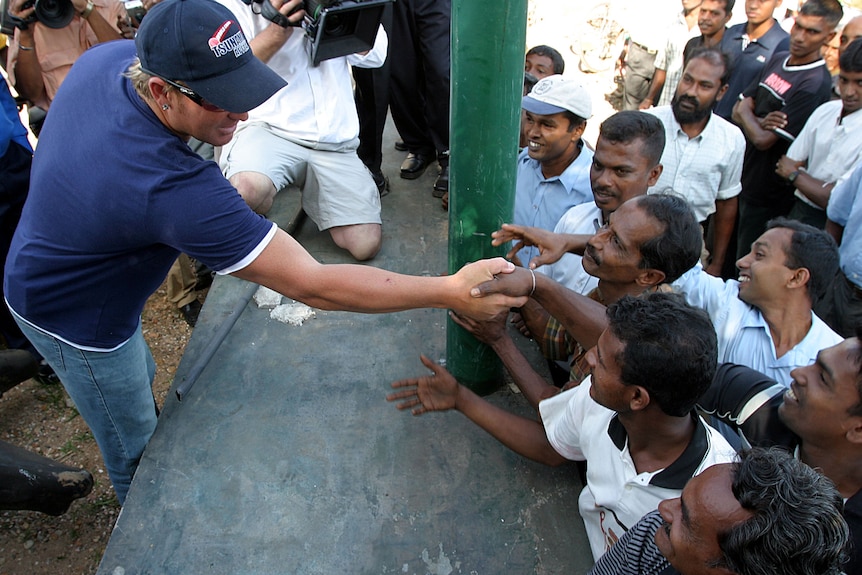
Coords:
pixel 768 513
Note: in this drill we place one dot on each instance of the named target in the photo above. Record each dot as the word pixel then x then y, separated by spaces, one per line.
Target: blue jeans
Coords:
pixel 113 392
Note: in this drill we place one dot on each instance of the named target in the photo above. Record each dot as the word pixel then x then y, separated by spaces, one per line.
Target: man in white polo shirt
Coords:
pixel 829 147
pixel 703 155
pixel 632 420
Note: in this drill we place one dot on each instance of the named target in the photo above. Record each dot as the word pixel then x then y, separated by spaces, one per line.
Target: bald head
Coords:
pixel 851 31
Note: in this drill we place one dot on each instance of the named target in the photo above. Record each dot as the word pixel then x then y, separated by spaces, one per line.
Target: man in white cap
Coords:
pixel 554 167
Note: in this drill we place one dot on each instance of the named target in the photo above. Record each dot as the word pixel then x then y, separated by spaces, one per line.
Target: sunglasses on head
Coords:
pixel 196 98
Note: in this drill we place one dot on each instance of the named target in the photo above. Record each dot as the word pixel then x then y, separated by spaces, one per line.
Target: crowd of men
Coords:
pixel 697 271
pixel 713 247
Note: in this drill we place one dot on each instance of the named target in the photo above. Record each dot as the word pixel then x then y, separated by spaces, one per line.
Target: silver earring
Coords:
pixel 165 107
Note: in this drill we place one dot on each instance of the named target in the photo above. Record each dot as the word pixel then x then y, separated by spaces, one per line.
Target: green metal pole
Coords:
pixel 488 41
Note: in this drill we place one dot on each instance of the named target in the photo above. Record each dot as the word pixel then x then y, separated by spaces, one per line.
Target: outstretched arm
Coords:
pixel 584 318
pixel 441 392
pixel 286 267
pixel 493 333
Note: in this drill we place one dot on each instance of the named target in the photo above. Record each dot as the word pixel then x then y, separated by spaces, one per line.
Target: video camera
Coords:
pixel 51 13
pixel 333 28
pixel 57 14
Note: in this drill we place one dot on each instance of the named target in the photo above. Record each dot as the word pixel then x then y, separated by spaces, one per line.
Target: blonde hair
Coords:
pixel 140 80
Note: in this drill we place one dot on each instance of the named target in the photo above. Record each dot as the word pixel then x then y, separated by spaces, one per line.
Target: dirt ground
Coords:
pixel 41 418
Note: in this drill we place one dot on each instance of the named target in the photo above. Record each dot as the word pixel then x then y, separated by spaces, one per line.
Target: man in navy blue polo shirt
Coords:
pixel 749 46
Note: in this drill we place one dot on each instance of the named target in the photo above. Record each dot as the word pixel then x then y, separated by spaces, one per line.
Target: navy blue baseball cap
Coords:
pixel 200 43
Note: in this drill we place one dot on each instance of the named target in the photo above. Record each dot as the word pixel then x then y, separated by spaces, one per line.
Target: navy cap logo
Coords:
pixel 221 46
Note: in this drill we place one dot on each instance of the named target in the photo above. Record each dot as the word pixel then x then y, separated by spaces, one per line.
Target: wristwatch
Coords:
pixel 85 13
pixel 793 175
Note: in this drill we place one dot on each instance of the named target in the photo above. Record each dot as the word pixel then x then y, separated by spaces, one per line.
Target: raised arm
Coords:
pixel 286 267
pixel 441 392
pixel 583 318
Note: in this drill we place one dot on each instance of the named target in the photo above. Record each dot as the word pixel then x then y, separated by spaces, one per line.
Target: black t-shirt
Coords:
pixel 797 91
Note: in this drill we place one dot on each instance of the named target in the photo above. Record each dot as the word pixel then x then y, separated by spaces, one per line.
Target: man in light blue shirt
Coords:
pixel 842 306
pixel 764 320
pixel 554 167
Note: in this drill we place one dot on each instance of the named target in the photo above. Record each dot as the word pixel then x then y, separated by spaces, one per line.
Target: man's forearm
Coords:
pixel 814 189
pixel 526 437
pixel 743 115
pixel 28 71
pixel 532 385
pixel 584 318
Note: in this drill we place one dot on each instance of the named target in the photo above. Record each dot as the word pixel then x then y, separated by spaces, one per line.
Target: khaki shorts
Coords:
pixel 337 188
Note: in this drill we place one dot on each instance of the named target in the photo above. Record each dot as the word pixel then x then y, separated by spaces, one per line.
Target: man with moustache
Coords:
pixel 712 22
pixel 648 241
pixel 703 156
pixel 768 513
pixel 819 418
pixel 625 164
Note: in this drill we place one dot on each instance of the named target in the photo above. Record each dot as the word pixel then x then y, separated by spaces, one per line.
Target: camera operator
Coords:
pixel 40 56
pixel 307 133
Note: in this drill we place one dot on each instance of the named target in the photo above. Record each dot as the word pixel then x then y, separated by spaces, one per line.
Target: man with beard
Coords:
pixel 702 158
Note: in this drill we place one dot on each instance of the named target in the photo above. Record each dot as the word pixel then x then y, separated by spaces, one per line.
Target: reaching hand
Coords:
pixel 486 331
pixel 436 392
pixel 551 246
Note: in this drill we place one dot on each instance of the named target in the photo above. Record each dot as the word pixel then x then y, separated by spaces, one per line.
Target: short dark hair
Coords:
pixel 553 54
pixel 670 348
pixel 677 249
pixel 829 10
pixel 629 125
pixel 574 120
pixel 798 525
pixel 851 60
pixel 716 58
pixel 728 6
pixel 812 249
